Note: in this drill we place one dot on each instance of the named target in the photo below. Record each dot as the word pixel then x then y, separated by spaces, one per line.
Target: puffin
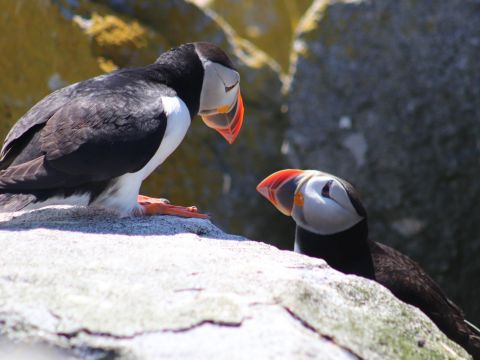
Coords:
pixel 331 223
pixel 93 143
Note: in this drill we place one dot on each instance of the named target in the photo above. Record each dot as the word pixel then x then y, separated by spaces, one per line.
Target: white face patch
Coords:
pixel 220 87
pixel 327 208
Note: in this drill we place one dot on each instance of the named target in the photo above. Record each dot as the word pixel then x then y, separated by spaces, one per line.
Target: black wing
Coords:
pixel 411 284
pixel 26 127
pixel 91 138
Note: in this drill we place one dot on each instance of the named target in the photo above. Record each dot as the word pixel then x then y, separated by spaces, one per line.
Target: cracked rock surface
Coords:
pixel 79 284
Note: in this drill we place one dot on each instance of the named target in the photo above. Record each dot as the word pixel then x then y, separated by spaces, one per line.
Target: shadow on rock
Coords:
pixel 90 220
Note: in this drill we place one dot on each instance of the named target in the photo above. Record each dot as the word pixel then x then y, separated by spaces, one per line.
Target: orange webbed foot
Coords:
pixel 154 206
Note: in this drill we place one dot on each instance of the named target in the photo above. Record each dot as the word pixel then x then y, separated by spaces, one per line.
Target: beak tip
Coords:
pixel 269 187
pixel 225 123
pixel 263 190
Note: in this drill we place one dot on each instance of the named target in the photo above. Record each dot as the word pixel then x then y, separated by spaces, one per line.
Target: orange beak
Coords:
pixel 280 187
pixel 227 122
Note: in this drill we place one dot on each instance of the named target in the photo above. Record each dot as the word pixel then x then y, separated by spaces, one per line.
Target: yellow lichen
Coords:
pixel 106 65
pixel 110 30
pixel 118 40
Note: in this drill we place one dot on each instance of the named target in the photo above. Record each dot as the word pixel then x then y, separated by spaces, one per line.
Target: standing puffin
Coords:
pixel 332 225
pixel 94 142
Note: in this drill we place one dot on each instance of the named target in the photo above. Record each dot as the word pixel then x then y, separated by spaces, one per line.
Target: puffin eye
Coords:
pixel 326 189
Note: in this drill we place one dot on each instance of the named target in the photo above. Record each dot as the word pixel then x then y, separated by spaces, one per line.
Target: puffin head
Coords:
pixel 319 202
pixel 221 105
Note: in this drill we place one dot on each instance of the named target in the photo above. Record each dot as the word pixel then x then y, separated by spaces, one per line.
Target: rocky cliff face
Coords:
pixel 75 283
pixel 385 94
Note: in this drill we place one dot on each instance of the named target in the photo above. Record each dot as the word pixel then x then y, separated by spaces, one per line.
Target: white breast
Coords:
pixel 177 126
pixel 122 196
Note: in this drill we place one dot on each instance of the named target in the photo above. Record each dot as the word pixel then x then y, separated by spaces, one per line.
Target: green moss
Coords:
pixel 394 330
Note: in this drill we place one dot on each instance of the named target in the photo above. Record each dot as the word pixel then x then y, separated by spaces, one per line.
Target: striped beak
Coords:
pixel 280 187
pixel 227 121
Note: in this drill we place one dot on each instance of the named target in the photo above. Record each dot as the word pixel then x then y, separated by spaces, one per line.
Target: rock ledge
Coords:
pixel 76 283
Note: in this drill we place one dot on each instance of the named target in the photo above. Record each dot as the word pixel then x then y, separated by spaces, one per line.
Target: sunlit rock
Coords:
pixel 78 283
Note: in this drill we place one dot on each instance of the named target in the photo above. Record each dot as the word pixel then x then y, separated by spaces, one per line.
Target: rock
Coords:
pixel 39 49
pixel 270 26
pixel 385 94
pixel 87 285
pixel 204 170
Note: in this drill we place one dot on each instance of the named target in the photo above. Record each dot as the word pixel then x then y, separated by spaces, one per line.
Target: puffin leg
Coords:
pixel 154 206
pixel 147 199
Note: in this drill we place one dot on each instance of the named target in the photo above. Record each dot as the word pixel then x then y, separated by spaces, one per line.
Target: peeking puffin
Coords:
pixel 94 142
pixel 332 225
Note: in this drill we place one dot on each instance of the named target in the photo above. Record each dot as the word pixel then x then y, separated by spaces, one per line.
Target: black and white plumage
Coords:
pixel 95 141
pixel 332 225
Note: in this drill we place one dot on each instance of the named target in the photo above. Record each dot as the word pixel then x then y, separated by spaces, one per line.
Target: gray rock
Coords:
pixel 79 284
pixel 386 94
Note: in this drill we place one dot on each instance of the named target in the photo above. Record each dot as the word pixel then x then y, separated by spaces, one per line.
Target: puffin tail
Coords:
pixel 472 345
pixel 10 202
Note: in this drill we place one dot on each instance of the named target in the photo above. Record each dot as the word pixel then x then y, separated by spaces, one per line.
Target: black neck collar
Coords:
pixel 347 251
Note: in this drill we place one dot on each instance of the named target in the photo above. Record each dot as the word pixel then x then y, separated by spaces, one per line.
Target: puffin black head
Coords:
pixel 221 104
pixel 214 54
pixel 319 202
pixel 204 77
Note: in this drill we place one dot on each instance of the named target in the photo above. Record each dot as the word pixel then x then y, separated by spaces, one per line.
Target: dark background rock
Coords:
pixel 387 95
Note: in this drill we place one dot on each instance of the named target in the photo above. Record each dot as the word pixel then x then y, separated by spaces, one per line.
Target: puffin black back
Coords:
pixel 94 142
